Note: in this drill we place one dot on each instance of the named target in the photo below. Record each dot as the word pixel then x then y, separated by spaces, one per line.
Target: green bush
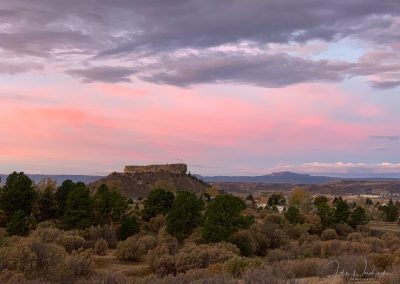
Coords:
pixel 129 227
pixel 244 240
pixel 19 224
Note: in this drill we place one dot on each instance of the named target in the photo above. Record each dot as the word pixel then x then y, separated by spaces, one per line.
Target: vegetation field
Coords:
pixel 69 234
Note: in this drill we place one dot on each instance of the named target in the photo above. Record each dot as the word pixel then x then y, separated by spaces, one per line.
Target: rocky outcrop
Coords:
pixel 137 181
pixel 169 168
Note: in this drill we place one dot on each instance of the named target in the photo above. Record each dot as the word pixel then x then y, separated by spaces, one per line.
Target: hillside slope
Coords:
pixel 136 184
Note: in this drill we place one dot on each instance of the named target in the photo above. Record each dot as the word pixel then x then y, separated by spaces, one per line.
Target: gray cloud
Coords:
pixel 20 67
pixel 150 33
pixel 385 84
pixel 385 137
pixel 275 70
pixel 107 74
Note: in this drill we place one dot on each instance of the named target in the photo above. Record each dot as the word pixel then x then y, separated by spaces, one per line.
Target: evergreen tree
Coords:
pixel 368 201
pixel 158 201
pixel 326 214
pixel 293 215
pixel 320 200
pixel 276 199
pixel 390 211
pixel 342 211
pixel 62 195
pixel 358 217
pixel 79 210
pixel 108 205
pixel 224 217
pixel 17 194
pixel 129 227
pixel 185 215
pixel 45 206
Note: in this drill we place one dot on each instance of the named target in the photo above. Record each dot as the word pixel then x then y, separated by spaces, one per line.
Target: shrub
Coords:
pixel 194 256
pixel 308 239
pixel 297 230
pixel 105 232
pixel 303 268
pixel 376 244
pixel 79 264
pixel 355 237
pixel 355 264
pixel 329 234
pixel 162 257
pixel 73 242
pixel 356 248
pixel 47 234
pixel 392 242
pixel 330 248
pixel 343 229
pixel 245 242
pixel 309 249
pixel 278 255
pixel 110 236
pixel 155 223
pixel 101 246
pixel 134 248
pixel 18 224
pixel 236 266
pixel 276 219
pixel 14 277
pixel 261 275
pixel 33 258
pixel 278 239
pixel 314 223
pixel 382 260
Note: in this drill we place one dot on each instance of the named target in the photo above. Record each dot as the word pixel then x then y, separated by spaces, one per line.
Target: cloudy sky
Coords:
pixel 228 86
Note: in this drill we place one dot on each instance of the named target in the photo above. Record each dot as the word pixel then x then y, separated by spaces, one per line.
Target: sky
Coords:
pixel 229 87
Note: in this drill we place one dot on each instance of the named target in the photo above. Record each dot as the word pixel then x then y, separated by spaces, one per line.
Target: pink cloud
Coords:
pixel 116 124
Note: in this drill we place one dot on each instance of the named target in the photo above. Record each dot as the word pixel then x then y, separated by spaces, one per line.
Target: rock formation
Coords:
pixel 171 168
pixel 136 181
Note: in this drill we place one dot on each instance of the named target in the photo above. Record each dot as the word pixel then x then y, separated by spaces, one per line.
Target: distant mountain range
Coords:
pixel 279 177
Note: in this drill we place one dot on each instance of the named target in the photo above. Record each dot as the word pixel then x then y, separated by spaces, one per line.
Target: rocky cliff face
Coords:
pixel 137 181
pixel 169 168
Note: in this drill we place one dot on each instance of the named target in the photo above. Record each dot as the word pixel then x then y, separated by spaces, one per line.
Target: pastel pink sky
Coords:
pixel 71 127
pixel 228 87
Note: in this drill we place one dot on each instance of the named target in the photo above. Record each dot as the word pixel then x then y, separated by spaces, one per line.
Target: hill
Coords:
pixel 136 181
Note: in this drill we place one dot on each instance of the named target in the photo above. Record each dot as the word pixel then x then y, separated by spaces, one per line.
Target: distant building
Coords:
pixel 262 202
pixel 281 208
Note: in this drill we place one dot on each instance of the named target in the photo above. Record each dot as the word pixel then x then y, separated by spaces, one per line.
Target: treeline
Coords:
pixel 23 204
